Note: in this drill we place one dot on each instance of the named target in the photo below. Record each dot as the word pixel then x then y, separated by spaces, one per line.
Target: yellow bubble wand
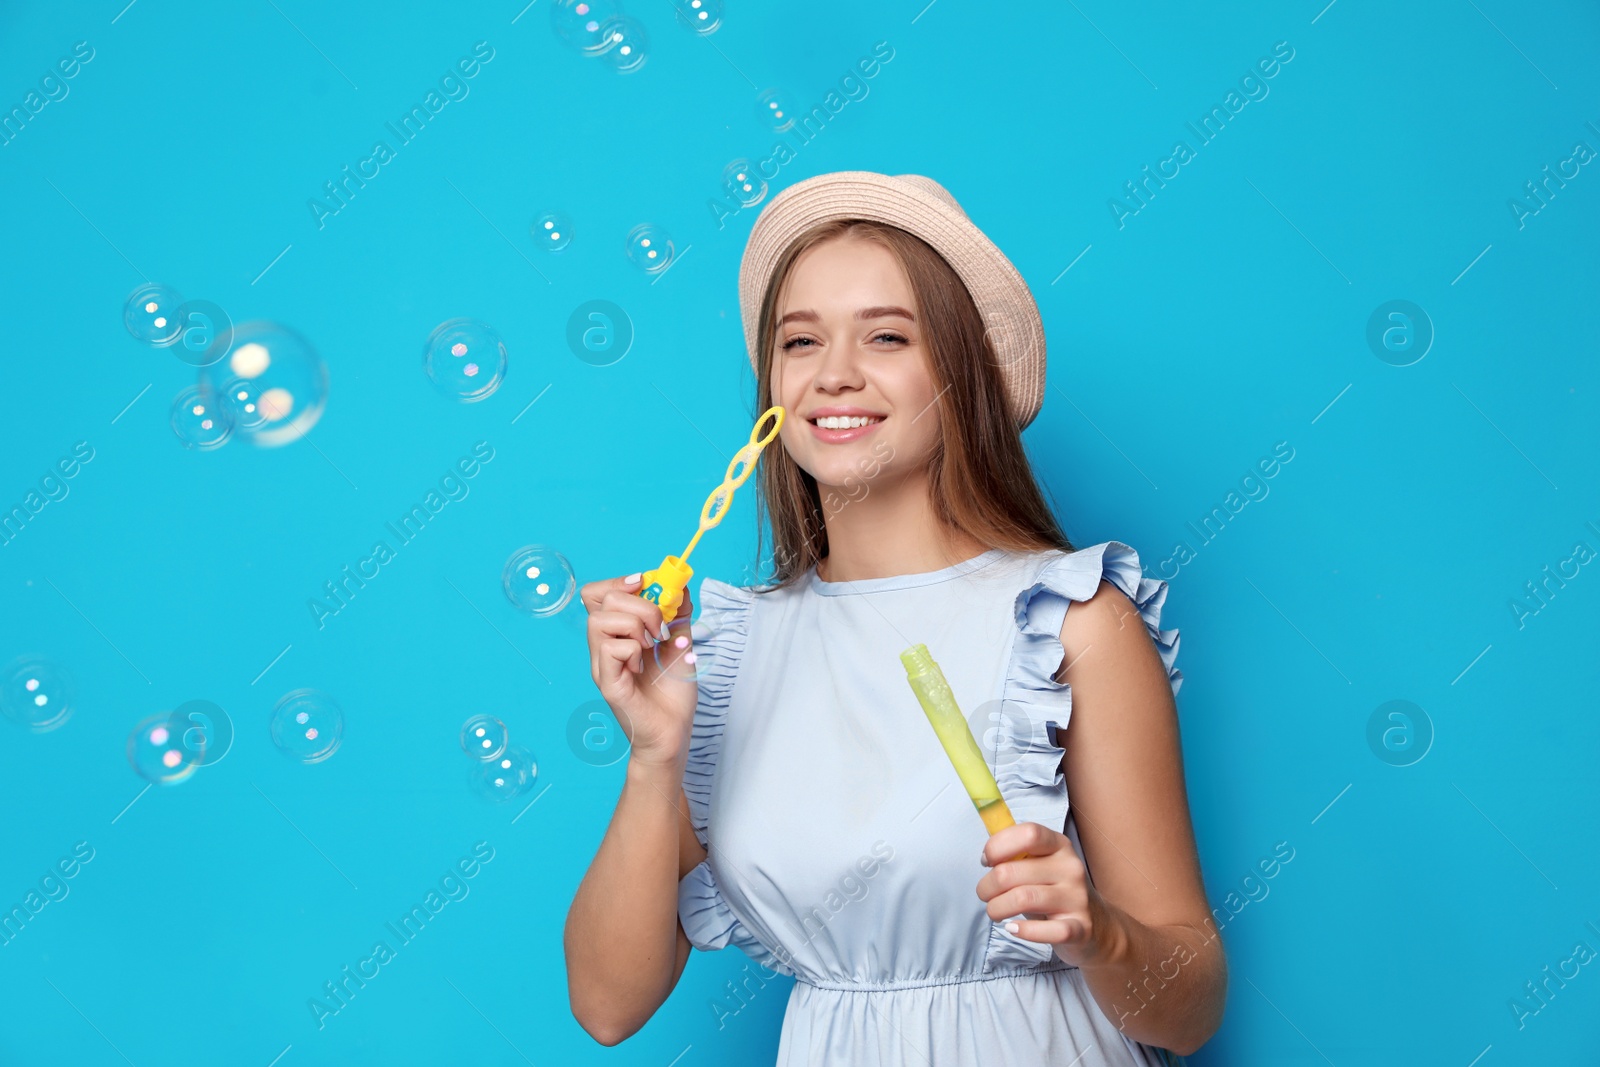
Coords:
pixel 664 586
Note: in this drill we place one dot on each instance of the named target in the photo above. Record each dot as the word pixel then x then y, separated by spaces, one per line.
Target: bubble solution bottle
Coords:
pixel 939 704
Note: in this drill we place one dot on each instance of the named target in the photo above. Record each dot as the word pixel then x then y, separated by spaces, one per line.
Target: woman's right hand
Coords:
pixel 651 690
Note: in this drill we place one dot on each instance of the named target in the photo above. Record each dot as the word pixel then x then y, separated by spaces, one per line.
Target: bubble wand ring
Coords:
pixel 664 586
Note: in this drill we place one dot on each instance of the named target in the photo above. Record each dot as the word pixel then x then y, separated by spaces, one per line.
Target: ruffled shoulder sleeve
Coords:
pixel 720 635
pixel 1037 708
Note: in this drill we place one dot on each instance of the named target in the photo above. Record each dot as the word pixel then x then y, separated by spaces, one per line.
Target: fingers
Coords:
pixel 616 657
pixel 594 593
pixel 1021 870
pixel 614 612
pixel 1023 838
pixel 618 614
pixel 1063 932
pixel 618 638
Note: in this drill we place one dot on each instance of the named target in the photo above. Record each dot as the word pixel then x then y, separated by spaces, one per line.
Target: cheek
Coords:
pixel 920 417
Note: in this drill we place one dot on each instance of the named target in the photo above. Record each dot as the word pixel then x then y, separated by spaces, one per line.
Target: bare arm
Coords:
pixel 1165 982
pixel 624 943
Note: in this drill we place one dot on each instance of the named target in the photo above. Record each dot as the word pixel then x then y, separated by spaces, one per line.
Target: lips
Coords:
pixel 842 436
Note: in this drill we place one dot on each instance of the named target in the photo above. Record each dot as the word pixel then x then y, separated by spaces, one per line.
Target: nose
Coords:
pixel 838 369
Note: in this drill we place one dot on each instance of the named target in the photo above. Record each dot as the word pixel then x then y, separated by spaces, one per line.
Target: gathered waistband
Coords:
pixel 947 979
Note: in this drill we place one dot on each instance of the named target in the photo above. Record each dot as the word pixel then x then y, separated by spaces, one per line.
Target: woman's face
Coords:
pixel 847 340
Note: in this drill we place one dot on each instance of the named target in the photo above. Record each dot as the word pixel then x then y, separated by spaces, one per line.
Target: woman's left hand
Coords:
pixel 1051 889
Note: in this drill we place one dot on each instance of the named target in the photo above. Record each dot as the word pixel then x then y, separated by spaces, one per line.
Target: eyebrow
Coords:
pixel 865 314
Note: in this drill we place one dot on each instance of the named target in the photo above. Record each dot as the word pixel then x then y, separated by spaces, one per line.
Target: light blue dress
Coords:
pixel 842 849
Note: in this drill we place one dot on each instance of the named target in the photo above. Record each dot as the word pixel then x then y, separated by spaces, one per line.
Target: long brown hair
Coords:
pixel 980 481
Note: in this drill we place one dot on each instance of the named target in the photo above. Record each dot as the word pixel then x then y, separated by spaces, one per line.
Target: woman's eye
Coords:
pixel 889 336
pixel 794 341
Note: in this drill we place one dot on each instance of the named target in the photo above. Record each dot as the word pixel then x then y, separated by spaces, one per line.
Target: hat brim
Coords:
pixel 1010 314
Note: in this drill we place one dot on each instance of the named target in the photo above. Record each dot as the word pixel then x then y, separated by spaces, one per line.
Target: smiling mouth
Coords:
pixel 846 422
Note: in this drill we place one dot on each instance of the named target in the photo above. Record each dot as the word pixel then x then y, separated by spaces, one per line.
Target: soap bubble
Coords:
pixel 579 23
pixel 207 730
pixel 206 333
pixel 552 231
pixel 465 359
pixel 151 314
pixel 626 44
pixel 649 248
pixel 272 381
pixel 307 725
pixel 701 16
pixel 200 420
pixel 775 110
pixel 538 580
pixel 508 776
pixel 157 751
pixel 744 183
pixel 484 737
pixel 36 693
pixel 675 662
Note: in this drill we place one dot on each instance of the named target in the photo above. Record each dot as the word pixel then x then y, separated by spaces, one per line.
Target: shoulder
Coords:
pixel 1111 602
pixel 720 633
pixel 720 596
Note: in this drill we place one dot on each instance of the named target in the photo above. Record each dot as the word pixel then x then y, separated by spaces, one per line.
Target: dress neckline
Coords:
pixel 903 581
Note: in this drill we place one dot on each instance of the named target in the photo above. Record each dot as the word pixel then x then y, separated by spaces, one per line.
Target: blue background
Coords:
pixel 1229 314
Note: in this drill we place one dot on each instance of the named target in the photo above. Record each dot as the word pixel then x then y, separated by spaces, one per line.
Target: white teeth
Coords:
pixel 840 422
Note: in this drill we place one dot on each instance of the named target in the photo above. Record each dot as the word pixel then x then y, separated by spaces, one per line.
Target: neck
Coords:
pixel 892 530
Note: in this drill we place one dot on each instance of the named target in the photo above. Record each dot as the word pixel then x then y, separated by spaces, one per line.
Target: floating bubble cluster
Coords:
pixel 307 725
pixel 200 419
pixel 151 314
pixel 538 580
pixel 272 383
pixel 501 771
pixel 465 359
pixel 484 737
pixel 161 749
pixel 649 248
pixel 552 231
pixel 508 776
pixel 36 693
pixel 627 45
pixel 599 30
pixel 578 23
pixel 701 16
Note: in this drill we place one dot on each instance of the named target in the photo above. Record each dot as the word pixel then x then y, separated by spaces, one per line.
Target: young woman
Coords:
pixel 784 791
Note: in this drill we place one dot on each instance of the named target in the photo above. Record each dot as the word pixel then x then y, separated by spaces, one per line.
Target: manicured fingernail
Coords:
pixel 664 633
pixel 688 657
pixel 630 579
pixel 983 857
pixel 1012 927
pixel 680 641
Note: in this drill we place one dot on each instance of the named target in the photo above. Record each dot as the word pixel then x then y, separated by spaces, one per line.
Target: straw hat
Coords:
pixel 922 207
